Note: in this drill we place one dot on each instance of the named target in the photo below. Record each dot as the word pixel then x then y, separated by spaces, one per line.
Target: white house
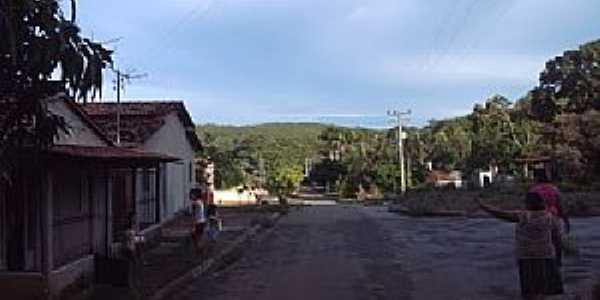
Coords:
pixel 484 178
pixel 159 127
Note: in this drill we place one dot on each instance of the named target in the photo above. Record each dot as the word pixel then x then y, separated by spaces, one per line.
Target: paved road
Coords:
pixel 353 252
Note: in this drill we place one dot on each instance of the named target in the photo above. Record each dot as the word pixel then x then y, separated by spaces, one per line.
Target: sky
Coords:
pixel 345 62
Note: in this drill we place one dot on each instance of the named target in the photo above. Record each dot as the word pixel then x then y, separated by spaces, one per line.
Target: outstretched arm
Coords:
pixel 509 216
pixel 563 215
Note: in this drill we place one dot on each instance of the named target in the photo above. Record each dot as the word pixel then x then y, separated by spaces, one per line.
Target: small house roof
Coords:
pixel 438 175
pixel 139 120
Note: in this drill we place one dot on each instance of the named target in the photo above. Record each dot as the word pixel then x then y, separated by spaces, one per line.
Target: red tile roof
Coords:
pixel 437 175
pixel 139 120
pixel 108 153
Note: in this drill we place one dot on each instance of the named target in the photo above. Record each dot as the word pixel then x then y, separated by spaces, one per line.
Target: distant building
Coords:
pixel 484 178
pixel 529 163
pixel 239 197
pixel 444 179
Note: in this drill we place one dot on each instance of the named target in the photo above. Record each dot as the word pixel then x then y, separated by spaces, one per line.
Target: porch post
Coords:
pixel 109 216
pixel 134 196
pixel 157 192
pixel 47 225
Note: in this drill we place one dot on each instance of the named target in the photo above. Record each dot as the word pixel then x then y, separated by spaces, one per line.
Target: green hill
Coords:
pixel 243 153
pixel 299 139
pixel 227 135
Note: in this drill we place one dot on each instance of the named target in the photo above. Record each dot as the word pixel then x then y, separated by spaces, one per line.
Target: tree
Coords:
pixel 494 140
pixel 569 83
pixel 448 143
pixel 284 179
pixel 37 41
pixel 566 102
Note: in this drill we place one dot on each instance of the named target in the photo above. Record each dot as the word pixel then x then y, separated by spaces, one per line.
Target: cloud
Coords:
pixel 453 68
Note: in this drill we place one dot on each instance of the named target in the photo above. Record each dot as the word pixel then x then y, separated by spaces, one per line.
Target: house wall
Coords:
pixel 480 178
pixel 445 183
pixel 234 198
pixel 79 132
pixel 71 213
pixel 178 176
pixel 79 212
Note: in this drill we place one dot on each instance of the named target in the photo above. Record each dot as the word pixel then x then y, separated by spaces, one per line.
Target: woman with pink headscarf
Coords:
pixel 551 196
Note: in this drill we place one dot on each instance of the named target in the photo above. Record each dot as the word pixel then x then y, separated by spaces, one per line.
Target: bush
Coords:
pixel 346 190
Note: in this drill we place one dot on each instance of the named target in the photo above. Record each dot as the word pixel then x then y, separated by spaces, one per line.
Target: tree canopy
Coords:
pixel 39 42
pixel 260 156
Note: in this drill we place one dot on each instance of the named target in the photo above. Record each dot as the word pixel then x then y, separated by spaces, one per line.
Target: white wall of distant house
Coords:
pixel 178 177
pixel 445 183
pixel 234 197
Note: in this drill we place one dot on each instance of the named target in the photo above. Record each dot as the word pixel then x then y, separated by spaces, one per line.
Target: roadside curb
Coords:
pixel 199 270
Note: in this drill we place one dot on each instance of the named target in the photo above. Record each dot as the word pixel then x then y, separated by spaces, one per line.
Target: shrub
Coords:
pixel 346 190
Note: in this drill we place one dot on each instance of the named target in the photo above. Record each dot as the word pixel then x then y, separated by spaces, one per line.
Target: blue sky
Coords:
pixel 249 61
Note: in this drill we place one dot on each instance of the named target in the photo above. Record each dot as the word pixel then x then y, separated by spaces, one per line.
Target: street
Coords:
pixel 355 252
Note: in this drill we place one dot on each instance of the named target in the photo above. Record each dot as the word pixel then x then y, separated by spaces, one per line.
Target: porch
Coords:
pixel 62 212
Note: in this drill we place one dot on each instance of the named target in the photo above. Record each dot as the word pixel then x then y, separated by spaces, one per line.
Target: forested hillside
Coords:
pixel 226 136
pixel 254 154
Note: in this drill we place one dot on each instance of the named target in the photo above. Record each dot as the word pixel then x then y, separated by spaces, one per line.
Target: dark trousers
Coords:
pixel 559 255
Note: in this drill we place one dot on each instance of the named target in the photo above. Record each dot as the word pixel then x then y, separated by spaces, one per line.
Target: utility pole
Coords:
pixel 122 79
pixel 307 167
pixel 399 118
pixel 262 172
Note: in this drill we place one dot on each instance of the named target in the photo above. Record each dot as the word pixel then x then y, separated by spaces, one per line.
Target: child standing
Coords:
pixel 214 222
pixel 198 215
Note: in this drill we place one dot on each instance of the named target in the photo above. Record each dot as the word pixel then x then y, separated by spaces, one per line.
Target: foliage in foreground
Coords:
pixel 37 40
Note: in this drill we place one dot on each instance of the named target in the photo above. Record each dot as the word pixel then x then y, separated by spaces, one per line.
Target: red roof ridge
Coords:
pixel 141 119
